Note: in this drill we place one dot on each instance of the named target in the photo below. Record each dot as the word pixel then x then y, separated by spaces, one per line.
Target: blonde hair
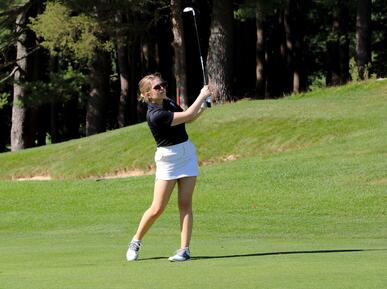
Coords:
pixel 145 85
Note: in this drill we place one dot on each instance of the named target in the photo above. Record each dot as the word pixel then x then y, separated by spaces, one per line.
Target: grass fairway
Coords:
pixel 302 206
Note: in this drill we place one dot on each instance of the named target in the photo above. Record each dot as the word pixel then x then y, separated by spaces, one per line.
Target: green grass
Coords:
pixel 302 206
pixel 240 130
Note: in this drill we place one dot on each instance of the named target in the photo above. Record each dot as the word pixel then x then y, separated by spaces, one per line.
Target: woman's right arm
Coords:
pixel 193 110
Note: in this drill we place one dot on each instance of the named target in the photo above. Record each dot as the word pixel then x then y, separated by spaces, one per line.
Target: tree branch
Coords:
pixel 16 60
pixel 10 75
pixel 15 10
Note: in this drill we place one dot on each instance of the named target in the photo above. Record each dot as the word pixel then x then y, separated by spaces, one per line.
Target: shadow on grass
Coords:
pixel 284 253
pixel 272 254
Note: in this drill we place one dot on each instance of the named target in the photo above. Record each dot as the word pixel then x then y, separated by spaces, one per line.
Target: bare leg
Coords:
pixel 186 188
pixel 162 192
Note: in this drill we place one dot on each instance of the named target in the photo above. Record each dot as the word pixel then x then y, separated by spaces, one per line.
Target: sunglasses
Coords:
pixel 160 85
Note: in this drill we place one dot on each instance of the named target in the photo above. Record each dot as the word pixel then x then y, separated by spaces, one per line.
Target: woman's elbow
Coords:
pixel 182 118
pixel 188 116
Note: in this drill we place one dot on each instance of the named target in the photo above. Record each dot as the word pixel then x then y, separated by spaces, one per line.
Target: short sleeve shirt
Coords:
pixel 160 118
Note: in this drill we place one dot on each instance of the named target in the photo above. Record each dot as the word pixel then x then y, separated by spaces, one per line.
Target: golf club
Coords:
pixel 205 81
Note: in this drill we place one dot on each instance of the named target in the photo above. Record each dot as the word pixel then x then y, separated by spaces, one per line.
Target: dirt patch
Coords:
pixel 116 175
pixel 382 181
pixel 34 178
pixel 126 174
pixel 223 159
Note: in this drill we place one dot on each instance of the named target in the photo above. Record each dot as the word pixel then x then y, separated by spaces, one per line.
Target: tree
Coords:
pixel 293 22
pixel 338 44
pixel 80 72
pixel 260 51
pixel 134 22
pixel 91 30
pixel 363 35
pixel 179 53
pixel 123 67
pixel 97 102
pixel 219 59
pixel 25 42
pixel 261 12
pixel 80 38
pixel 379 38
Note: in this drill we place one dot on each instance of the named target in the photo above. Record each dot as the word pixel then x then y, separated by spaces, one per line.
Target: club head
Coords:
pixel 189 9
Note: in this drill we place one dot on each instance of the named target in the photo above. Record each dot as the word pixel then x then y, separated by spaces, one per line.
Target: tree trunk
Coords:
pixel 71 119
pixel 294 23
pixel 179 53
pixel 137 110
pixel 54 130
pixel 288 47
pixel 18 130
pixel 338 45
pixel 123 68
pixel 276 57
pixel 219 60
pixel 25 131
pixel 122 55
pixel 260 54
pixel 363 35
pixel 99 81
pixel 150 57
pixel 3 131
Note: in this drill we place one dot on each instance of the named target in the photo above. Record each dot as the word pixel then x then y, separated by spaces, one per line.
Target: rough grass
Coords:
pixel 228 132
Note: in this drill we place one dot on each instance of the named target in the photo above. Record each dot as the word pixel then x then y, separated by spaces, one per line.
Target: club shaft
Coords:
pixel 200 51
pixel 205 81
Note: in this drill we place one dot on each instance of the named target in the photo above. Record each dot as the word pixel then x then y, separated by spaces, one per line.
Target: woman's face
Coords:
pixel 158 91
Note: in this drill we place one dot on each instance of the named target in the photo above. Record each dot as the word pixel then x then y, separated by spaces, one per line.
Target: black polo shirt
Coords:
pixel 160 118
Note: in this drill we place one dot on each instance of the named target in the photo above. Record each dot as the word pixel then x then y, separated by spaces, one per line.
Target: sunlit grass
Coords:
pixel 232 131
pixel 291 194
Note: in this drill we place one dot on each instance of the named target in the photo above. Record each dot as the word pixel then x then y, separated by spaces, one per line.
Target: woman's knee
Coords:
pixel 185 206
pixel 155 211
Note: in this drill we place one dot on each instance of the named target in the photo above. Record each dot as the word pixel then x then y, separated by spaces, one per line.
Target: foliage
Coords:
pixel 354 71
pixel 9 10
pixel 5 86
pixel 73 30
pixel 78 26
pixel 379 38
pixel 6 37
pixel 316 35
pixel 63 86
pixel 70 36
pixel 250 8
pixel 317 81
pixel 4 99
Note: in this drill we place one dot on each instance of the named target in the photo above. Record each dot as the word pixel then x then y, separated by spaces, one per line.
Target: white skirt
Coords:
pixel 176 161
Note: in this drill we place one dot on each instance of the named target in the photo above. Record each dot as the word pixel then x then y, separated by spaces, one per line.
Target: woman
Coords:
pixel 176 161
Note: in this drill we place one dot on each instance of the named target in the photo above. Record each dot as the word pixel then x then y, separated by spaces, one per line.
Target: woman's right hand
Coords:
pixel 204 92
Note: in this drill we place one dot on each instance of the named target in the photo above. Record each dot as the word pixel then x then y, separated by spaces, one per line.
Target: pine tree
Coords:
pixel 220 54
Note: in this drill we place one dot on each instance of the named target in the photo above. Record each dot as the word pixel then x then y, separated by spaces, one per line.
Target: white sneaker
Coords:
pixel 181 255
pixel 133 250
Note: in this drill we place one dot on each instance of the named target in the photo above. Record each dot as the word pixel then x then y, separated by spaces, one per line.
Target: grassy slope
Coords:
pixel 310 179
pixel 243 129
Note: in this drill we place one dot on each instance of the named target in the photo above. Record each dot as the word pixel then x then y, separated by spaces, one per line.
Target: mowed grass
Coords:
pixel 293 195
